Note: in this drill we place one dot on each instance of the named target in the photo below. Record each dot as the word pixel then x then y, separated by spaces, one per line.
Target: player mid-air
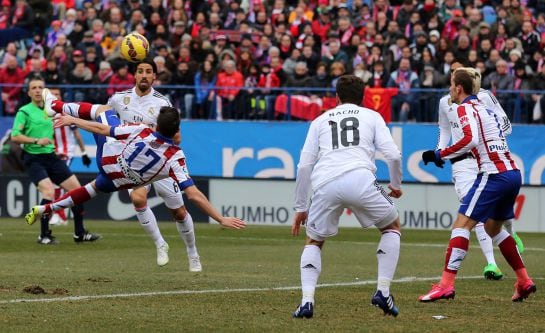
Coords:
pixel 138 156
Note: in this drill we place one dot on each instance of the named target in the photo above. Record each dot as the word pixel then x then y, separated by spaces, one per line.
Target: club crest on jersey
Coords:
pixel 126 100
pixel 464 120
pixel 151 111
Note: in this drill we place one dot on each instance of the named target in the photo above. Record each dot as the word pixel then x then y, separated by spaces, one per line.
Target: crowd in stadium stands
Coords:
pixel 267 44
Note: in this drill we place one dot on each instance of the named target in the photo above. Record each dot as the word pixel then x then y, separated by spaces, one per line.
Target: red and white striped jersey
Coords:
pixel 483 136
pixel 65 141
pixel 449 130
pixel 141 156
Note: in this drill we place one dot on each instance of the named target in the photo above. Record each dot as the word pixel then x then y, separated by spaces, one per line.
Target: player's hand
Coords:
pixel 232 223
pixel 431 156
pixel 300 218
pixel 85 159
pixel 63 120
pixel 395 193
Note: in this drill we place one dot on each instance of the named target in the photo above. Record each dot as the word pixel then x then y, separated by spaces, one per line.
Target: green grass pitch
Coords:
pixel 250 283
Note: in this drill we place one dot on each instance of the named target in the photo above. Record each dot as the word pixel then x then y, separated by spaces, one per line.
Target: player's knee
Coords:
pixel 394 226
pixel 139 198
pixel 179 214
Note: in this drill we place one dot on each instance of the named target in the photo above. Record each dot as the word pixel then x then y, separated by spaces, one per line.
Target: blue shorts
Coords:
pixel 103 183
pixel 42 166
pixel 492 196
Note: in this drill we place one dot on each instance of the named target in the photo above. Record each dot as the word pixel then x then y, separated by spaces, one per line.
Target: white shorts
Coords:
pixel 169 191
pixel 464 173
pixel 356 190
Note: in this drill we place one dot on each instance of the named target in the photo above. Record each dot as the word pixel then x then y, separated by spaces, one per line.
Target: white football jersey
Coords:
pixel 483 136
pixel 343 139
pixel 449 127
pixel 141 156
pixel 134 109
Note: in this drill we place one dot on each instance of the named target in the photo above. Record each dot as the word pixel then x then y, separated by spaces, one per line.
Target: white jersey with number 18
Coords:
pixel 343 139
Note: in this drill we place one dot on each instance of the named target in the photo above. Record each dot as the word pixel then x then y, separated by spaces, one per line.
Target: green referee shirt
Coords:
pixel 33 122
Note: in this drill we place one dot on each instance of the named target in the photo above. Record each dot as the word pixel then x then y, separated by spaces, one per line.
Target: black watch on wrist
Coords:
pixel 35 141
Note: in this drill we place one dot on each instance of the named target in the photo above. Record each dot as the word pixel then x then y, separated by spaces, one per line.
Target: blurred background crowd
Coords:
pixel 253 48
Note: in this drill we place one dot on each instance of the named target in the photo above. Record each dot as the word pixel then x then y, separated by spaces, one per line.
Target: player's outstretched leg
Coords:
pixel 509 227
pixel 186 229
pixel 387 258
pixel 81 110
pixel 491 271
pixel 311 267
pixel 74 197
pixel 524 285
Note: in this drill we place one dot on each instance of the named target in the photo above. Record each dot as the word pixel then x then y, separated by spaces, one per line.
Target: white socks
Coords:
pixel 508 225
pixel 311 266
pixel 186 229
pixel 485 242
pixel 149 223
pixel 387 257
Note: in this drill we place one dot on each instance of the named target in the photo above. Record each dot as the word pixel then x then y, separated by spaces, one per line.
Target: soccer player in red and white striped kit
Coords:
pixel 492 196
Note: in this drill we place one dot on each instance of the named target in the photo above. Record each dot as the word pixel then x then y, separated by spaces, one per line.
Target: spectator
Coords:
pixel 102 77
pixel 183 98
pixel 430 78
pixel 163 75
pixel 52 35
pixel 336 70
pixel 500 80
pixel 520 103
pixel 289 64
pixel 322 25
pixel 52 76
pixel 452 26
pixel 121 79
pixel 229 83
pixel 320 80
pixel 11 74
pixel 268 79
pixel 404 104
pixel 205 81
pixel 379 76
pixel 299 80
pixel 311 58
pixel 538 83
pixel 5 14
pixel 333 53
pixel 530 39
pixel 22 16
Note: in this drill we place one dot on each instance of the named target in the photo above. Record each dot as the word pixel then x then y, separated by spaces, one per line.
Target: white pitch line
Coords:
pixel 217 291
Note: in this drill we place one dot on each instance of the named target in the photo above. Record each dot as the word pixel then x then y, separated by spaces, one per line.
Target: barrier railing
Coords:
pixel 295 103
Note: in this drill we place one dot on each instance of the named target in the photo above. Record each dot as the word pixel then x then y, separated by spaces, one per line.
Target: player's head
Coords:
pixel 350 89
pixel 36 85
pixel 461 85
pixel 476 75
pixel 168 121
pixel 144 75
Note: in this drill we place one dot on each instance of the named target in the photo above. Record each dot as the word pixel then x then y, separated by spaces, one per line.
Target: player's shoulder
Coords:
pixel 119 95
pixel 160 97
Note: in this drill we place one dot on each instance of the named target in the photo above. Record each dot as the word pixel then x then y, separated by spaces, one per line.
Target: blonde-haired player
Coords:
pixel 464 167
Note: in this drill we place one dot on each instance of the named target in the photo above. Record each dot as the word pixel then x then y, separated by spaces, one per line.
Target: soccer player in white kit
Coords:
pixel 137 105
pixel 139 156
pixel 492 196
pixel 338 163
pixel 465 168
pixel 141 104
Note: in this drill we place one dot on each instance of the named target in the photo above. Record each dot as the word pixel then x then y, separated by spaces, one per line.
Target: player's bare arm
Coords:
pixel 200 200
pixel 91 126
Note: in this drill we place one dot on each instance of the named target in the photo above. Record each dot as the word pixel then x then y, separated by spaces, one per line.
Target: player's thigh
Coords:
pixel 505 206
pixel 368 200
pixel 324 213
pixel 464 174
pixel 139 195
pixel 170 192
